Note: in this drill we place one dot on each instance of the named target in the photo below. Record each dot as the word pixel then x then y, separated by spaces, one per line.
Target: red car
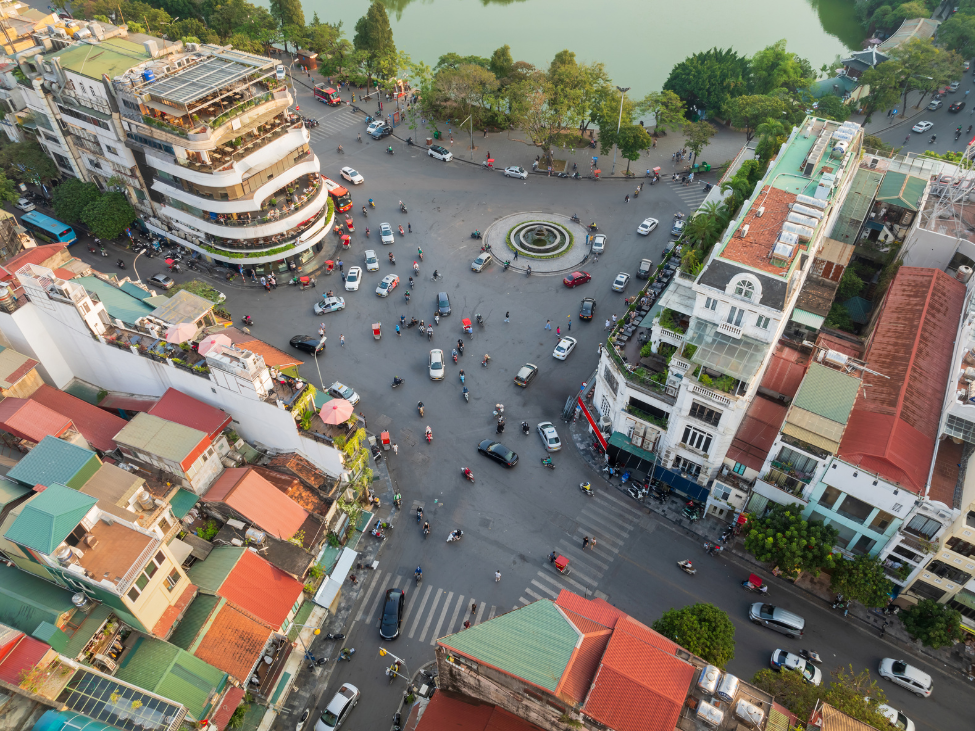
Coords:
pixel 576 278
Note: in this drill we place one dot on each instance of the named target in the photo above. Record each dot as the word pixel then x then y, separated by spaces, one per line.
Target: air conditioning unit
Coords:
pixel 605 423
pixel 743 231
pixel 760 212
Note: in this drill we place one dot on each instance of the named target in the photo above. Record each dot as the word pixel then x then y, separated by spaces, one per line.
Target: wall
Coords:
pixel 925 248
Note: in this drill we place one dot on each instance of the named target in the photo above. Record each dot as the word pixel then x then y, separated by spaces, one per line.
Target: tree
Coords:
pixel 240 16
pixel 771 134
pixel 667 110
pixel 958 34
pixel 776 68
pixel 705 81
pixel 706 226
pixel 790 689
pixel 502 63
pixel 374 38
pixel 243 42
pixel 293 34
pixel 832 107
pixel 698 136
pixel 26 162
pixel 862 579
pixel 72 197
pixel 702 629
pixel 925 68
pixel 936 625
pixel 847 692
pixel 747 112
pixel 784 539
pixel 850 286
pixel 8 192
pixel 108 216
pixel 632 140
pixel 910 10
pixel 465 88
pixel 287 12
pixel 885 81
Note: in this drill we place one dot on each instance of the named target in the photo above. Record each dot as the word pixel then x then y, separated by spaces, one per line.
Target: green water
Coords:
pixel 638 40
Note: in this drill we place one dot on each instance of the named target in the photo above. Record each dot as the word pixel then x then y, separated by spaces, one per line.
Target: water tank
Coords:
pixel 807 200
pixel 709 715
pixel 145 500
pixel 969 375
pixel 80 601
pixel 728 687
pixel 148 76
pixel 255 536
pixel 963 274
pixel 83 33
pixel 709 679
pixel 806 210
pixel 836 358
pixel 802 220
pixel 749 714
pixel 7 303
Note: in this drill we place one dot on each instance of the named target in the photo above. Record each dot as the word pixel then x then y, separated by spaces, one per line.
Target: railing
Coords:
pixel 633 375
pixel 649 418
pixel 713 395
pixel 685 275
pixel 263 218
pixel 786 469
pixel 729 329
pixel 139 564
pixel 919 544
pixel 280 244
pixel 785 482
pixel 671 335
pixel 679 363
pixel 220 161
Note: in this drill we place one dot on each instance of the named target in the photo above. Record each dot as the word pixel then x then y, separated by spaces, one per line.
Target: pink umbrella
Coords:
pixel 181 333
pixel 336 411
pixel 213 342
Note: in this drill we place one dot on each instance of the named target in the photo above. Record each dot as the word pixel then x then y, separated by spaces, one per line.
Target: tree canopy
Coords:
pixel 935 625
pixel 705 81
pixel 847 691
pixel 108 215
pixel 748 111
pixel 702 629
pixel 862 579
pixel 784 539
pixel 776 68
pixel 374 40
pixel 26 162
pixel 698 136
pixel 288 12
pixel 72 197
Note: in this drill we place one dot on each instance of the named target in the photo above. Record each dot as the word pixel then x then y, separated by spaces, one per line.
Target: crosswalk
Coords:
pixel 331 122
pixel 692 195
pixel 606 520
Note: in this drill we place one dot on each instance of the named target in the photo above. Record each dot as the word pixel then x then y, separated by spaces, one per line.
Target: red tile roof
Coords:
pixel 261 589
pixel 292 463
pixel 257 500
pixel 164 625
pixel 228 705
pixel 273 358
pixel 184 409
pixel 233 642
pixel 452 712
pixel 894 422
pixel 754 249
pixel 598 610
pixel 785 371
pixel 38 255
pixel 30 420
pixel 579 673
pixel 95 425
pixel 944 478
pixel 757 431
pixel 25 655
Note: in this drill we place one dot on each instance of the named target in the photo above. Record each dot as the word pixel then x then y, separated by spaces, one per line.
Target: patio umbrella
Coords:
pixel 181 333
pixel 213 342
pixel 336 411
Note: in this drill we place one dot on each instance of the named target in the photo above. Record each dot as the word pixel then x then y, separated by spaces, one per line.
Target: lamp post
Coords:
pixel 137 277
pixel 622 90
pixel 383 652
pixel 308 655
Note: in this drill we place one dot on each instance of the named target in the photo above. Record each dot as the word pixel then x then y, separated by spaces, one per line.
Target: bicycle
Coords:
pixel 340 150
pixel 437 277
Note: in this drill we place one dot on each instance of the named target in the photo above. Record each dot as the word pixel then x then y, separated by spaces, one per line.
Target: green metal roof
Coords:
pixel 173 673
pixel 113 57
pixel 810 319
pixel 56 461
pixel 534 643
pixel 901 190
pixel 856 206
pixel 193 620
pixel 138 292
pixel 26 600
pixel 118 302
pixel 827 393
pixel 48 633
pixel 49 517
pixel 183 502
pixel 210 573
pixel 619 439
pixel 10 491
pixel 87 630
pixel 859 309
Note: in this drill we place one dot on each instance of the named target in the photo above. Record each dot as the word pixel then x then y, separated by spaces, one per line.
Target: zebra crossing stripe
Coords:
pixel 449 630
pixel 621 518
pixel 573 551
pixel 419 612
pixel 410 606
pixel 491 614
pixel 548 591
pixel 365 599
pixel 533 595
pixel 480 613
pixel 608 528
pixel 430 616
pixel 436 632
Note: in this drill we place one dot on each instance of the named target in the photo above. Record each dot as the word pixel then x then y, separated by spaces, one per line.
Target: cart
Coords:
pixel 329 266
pixel 349 224
pixel 561 564
pixel 384 440
pixel 346 241
pixel 466 324
pixel 377 330
pixel 656 170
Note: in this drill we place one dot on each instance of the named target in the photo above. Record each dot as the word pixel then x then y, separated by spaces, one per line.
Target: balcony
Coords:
pixel 671 337
pixel 223 157
pixel 279 242
pixel 711 395
pixel 643 380
pixel 781 478
pixel 649 418
pixel 731 330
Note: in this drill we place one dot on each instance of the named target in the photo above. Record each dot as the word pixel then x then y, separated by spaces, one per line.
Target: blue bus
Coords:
pixel 48 229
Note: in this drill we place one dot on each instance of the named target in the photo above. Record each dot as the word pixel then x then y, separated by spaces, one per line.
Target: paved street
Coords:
pixel 896 132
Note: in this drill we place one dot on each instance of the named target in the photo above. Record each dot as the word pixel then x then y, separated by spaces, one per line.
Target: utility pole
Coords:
pixel 622 90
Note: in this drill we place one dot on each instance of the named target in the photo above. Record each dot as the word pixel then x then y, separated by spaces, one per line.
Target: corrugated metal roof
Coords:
pixel 757 431
pixel 785 370
pixel 264 590
pixel 257 500
pixel 859 309
pixel 118 303
pixel 196 616
pixel 811 437
pixel 183 409
pixel 96 425
pixel 856 206
pixel 210 574
pixel 55 461
pixel 807 318
pixel 836 252
pixel 534 643
pixel 11 491
pixel 901 190
pixel 49 517
pixel 183 307
pixel 893 431
pixel 228 704
pixel 13 366
pixel 30 420
pixel 802 422
pixel 92 622
pixel 944 478
pixel 27 600
pixel 166 439
pixel 182 502
pixel 112 485
pixel 22 658
pixel 112 57
pixel 828 393
pixel 454 712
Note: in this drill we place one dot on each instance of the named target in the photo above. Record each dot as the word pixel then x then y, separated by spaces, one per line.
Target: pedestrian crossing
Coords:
pixel 692 195
pixel 332 122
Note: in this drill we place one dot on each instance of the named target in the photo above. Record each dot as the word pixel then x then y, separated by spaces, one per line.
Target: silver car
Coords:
pixel 386 233
pixel 550 437
pixel 516 172
pixel 339 708
pixel 481 261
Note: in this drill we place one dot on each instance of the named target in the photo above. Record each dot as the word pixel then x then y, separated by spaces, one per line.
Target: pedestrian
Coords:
pixel 569 328
pixel 485 134
pixel 343 276
pixel 342 340
pixel 488 156
pixel 497 576
pixel 353 579
pixel 614 318
pixel 312 281
pixel 655 142
pixel 398 332
pixel 592 545
pixel 473 607
pixel 395 448
pixel 558 331
pixel 451 139
pixel 321 328
pixel 585 542
pixel 548 324
pixel 409 227
pixel 340 265
pixel 627 198
pixel 516 253
pixel 264 282
pixel 467 624
pixel 607 325
pixel 507 315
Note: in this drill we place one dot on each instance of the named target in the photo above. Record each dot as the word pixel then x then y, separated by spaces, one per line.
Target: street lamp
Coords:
pixel 137 277
pixel 383 652
pixel 622 90
pixel 308 655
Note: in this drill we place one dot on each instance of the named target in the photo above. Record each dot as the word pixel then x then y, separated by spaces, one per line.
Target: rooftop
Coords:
pixel 220 69
pixel 785 371
pixel 183 306
pixel 114 552
pixel 857 204
pixel 114 488
pixel 30 420
pixel 816 295
pixel 231 640
pixel 27 600
pixel 182 408
pixel 757 432
pixel 291 558
pixel 453 712
pixel 13 366
pixel 249 494
pixel 54 460
pixel 273 358
pixel 912 28
pixel 166 439
pixel 944 477
pixel 98 427
pixel 119 304
pixel 901 190
pixel 828 393
pixel 110 56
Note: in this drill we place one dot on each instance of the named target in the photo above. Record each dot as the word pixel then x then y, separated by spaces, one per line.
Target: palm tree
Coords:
pixel 703 230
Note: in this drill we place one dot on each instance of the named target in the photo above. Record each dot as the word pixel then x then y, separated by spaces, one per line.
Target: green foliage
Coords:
pixel 374 41
pixel 707 80
pixel 287 12
pixel 26 162
pixel 72 197
pixel 8 192
pixel 237 719
pixel 702 629
pixel 698 136
pixel 632 140
pixel 862 580
pixel 958 34
pixel 910 10
pixel 208 530
pixel 647 350
pixel 749 111
pixel 772 134
pixel 839 319
pixel 935 625
pixel 847 692
pixel 245 43
pixel 832 107
pixel 925 67
pixel 667 109
pixel 850 285
pixel 108 216
pixel 502 63
pixel 784 539
pixel 885 82
pixel 776 68
pixel 240 16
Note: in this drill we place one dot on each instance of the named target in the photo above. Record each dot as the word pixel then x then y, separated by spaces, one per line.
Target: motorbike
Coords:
pixel 687 567
pixel 498 410
pixel 637 493
pixel 592 226
pixel 467 395
pixel 301 721
pixel 392 671
pixel 392 259
pixel 461 374
pixel 398 500
pixel 419 407
pixel 402 207
pixel 401 231
pixel 586 489
pixel 409 141
pixel 468 474
pixel 418 576
pixel 346 654
pixel 120 264
pixel 658 496
pixel 547 462
pixel 336 636
pixel 426 529
pixel 419 515
pixel 247 320
pixel 398 382
pixel 754 584
pixel 476 234
pixel 525 428
pixel 811 656
pixel 371 203
pixel 480 320
pixel 453 354
pixel 389 150
pixel 377 533
pixel 574 218
pixel 455 536
pixel 428 434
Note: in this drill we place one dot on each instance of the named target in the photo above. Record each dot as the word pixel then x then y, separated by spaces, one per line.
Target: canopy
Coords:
pixel 181 333
pixel 213 342
pixel 336 411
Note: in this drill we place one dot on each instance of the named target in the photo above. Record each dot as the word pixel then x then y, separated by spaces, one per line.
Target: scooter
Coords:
pixel 377 533
pixel 401 231
pixel 586 489
pixel 637 493
pixel 574 218
pixel 811 656
pixel 247 320
pixel 402 207
pixel 398 382
pixel 301 721
pixel 525 428
pixel 453 354
pixel 428 434
pixel 467 395
pixel 476 234
pixel 346 654
pixel 455 536
pixel 120 264
pixel 389 151
pixel 547 462
pixel 398 500
pixel 336 636
pixel 687 567
pixel 468 474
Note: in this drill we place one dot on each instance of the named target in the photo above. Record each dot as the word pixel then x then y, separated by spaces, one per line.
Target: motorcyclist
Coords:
pixel 416 268
pixel 428 433
pixel 467 473
pixel 418 572
pixel 419 407
pixel 435 273
pixel 426 527
pixel 524 426
pixel 364 211
pixel 397 380
pixel 419 514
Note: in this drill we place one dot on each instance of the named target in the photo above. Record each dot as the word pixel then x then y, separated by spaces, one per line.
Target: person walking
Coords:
pixel 592 545
pixel 607 325
pixel 467 624
pixel 569 328
pixel 627 198
pixel 497 576
pixel 264 282
pixel 507 315
pixel 473 607
pixel 516 253
pixel 614 318
pixel 585 542
pixel 340 265
pixel 548 324
pixel 342 340
pixel 558 331
pixel 409 227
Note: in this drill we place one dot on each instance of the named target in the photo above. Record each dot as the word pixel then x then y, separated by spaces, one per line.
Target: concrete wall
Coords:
pixel 925 248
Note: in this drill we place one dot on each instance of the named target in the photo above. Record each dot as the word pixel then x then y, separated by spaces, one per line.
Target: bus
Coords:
pixel 48 229
pixel 340 196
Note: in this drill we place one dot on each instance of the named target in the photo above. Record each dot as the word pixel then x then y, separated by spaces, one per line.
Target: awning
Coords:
pixel 329 590
pixel 808 319
pixel 875 225
pixel 181 551
pixel 965 598
pixel 680 483
pixel 620 440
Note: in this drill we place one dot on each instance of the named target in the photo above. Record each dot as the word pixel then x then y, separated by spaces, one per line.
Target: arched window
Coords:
pixel 744 289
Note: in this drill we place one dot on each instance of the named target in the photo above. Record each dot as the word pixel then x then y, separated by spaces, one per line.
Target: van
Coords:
pixel 907 676
pixel 781 620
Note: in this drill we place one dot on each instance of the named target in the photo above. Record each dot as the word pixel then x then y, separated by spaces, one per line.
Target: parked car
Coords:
pixel 935 105
pixel 647 226
pixel 329 304
pixel 440 153
pixel 161 281
pixel 24 205
pixel 516 172
pixel 389 283
pixel 498 452
pixel 897 719
pixel 435 365
pixel 907 676
pixel 279 72
pixel 587 308
pixel 953 86
pixel 339 708
pixel 353 279
pixel 393 610
pixel 645 269
pixel 566 345
pixel 340 390
pixel 622 279
pixel 525 374
pixel 372 261
pixel 550 437
pixel 311 344
pixel 352 176
pixel 576 278
pixel 678 227
pixel 481 261
pixel 782 659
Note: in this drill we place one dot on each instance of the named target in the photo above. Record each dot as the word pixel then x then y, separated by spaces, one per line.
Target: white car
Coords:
pixel 786 660
pixel 678 227
pixel 340 390
pixel 372 261
pixel 435 365
pixel 598 243
pixel 550 437
pixel 374 125
pixel 482 261
pixel 279 72
pixel 352 176
pixel 440 152
pixel 353 279
pixel 329 304
pixel 387 285
pixel 339 708
pixel 953 86
pixel 647 226
pixel 565 346
pixel 907 676
pixel 922 126
pixel 897 719
pixel 516 172
pixel 24 205
pixel 622 279
pixel 386 234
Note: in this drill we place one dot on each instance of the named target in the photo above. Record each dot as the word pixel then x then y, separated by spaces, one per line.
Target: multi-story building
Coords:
pixel 716 331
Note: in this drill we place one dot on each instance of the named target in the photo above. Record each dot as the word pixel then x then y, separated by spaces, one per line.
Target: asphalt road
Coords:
pixel 945 123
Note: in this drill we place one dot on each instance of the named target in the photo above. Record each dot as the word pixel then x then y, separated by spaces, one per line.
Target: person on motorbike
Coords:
pixel 426 527
pixel 364 211
pixel 416 268
pixel 397 380
pixel 428 433
pixel 435 273
pixel 419 514
pixel 419 407
pixel 418 572
pixel 524 427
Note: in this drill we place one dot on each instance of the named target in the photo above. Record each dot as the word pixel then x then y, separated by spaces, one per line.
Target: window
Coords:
pixel 51 138
pixel 133 594
pixel 149 142
pixel 738 469
pixel 793 460
pixel 744 289
pixel 763 322
pixel 687 467
pixel 697 439
pixel 111 149
pixel 62 161
pixel 86 118
pixel 923 527
pixel 710 304
pixel 611 380
pixel 173 580
pixel 131 105
pixel 604 407
pixel 735 315
pixel 721 492
pixel 703 413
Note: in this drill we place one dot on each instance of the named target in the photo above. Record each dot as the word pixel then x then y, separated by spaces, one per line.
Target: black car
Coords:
pixel 308 344
pixel 443 304
pixel 393 611
pixel 956 107
pixel 586 309
pixel 380 132
pixel 498 452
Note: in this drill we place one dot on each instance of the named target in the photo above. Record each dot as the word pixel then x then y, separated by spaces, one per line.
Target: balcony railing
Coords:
pixel 712 395
pixel 732 330
pixel 675 337
pixel 223 157
pixel 649 418
pixel 785 482
pixel 640 377
pixel 271 243
pixel 310 186
pixel 787 469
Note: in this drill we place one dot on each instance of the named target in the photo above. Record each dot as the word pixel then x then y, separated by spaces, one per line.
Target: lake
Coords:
pixel 638 40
